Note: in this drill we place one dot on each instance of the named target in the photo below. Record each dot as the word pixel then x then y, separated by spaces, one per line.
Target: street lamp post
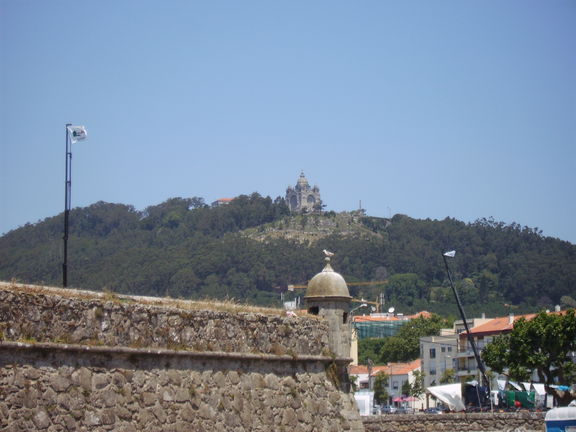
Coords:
pixel 67 191
pixel 451 254
pixel 390 382
pixel 363 305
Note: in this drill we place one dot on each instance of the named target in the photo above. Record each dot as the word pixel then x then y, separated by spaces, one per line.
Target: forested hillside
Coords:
pixel 183 248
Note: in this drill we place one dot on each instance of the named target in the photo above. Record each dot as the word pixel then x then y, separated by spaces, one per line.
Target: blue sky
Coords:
pixel 428 108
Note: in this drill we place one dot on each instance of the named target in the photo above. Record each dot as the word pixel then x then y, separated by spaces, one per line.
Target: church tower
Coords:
pixel 302 197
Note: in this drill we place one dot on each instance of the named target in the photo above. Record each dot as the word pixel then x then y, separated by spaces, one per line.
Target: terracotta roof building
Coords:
pixel 398 373
pixel 483 334
pixel 221 201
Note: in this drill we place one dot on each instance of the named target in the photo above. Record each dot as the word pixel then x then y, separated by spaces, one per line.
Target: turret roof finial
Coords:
pixel 327 283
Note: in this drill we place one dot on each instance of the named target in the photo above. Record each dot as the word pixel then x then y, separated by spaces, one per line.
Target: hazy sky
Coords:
pixel 428 108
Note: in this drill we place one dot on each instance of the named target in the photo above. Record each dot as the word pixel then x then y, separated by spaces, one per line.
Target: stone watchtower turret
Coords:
pixel 302 197
pixel 327 296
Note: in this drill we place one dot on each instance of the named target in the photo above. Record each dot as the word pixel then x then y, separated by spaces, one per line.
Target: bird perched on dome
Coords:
pixel 328 253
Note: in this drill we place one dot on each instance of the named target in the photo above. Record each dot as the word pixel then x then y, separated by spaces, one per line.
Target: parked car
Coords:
pixel 435 410
pixel 376 409
pixel 388 409
pixel 405 410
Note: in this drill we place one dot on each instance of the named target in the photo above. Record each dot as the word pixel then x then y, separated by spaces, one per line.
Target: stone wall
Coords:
pixel 80 361
pixel 72 388
pixel 86 362
pixel 65 316
pixel 457 422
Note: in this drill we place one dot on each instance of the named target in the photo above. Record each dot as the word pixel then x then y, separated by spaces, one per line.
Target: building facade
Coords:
pixel 438 354
pixel 444 352
pixel 399 374
pixel 302 197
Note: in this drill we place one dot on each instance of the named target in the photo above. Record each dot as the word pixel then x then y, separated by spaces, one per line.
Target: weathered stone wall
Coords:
pixel 78 361
pixel 55 315
pixel 457 422
pixel 51 387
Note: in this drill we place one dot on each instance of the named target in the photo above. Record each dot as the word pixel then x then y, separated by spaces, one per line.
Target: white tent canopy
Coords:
pixel 502 385
pixel 450 394
pixel 539 389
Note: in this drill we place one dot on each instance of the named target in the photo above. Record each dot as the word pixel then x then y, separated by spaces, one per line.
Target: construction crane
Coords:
pixel 375 303
pixel 292 287
pixel 378 305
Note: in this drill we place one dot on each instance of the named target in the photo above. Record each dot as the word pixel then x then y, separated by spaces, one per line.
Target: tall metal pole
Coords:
pixel 67 201
pixel 470 338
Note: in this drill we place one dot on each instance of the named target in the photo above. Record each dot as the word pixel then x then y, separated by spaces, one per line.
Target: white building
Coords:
pixel 438 354
pixel 398 375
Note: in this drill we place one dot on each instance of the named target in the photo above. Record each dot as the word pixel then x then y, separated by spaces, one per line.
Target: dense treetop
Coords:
pixel 403 347
pixel 184 248
pixel 545 345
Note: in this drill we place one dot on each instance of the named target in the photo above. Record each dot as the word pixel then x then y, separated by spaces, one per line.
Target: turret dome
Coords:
pixel 327 283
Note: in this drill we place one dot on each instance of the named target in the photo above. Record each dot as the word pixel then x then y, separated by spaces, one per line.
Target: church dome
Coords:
pixel 327 283
pixel 302 182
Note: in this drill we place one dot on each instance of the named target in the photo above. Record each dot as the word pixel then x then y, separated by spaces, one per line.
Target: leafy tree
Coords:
pixel 395 349
pixel 417 387
pixel 405 346
pixel 184 248
pixel 568 301
pixel 448 376
pixel 406 388
pixel 543 344
pixel 370 348
pixel 381 388
pixel 404 288
pixel 197 202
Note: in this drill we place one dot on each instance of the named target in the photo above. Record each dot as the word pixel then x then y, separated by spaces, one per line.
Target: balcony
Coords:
pixel 466 351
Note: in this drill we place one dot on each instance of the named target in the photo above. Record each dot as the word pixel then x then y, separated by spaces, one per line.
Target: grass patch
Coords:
pixel 229 305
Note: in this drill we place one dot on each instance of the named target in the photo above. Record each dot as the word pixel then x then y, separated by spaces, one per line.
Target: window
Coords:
pixel 449 349
pixel 432 353
pixel 395 385
pixel 314 310
pixel 443 349
pixel 433 371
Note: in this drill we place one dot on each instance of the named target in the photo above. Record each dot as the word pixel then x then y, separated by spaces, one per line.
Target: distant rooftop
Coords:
pixel 390 369
pixel 501 324
pixel 221 201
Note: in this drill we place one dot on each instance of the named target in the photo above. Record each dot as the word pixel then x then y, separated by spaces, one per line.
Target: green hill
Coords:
pixel 252 248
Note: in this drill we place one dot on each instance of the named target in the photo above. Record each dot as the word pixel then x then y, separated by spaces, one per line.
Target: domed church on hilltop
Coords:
pixel 302 197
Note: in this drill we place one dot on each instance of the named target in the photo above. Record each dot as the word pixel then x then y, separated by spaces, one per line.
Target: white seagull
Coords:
pixel 328 253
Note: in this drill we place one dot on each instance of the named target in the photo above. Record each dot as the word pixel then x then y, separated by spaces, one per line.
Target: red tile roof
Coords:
pixel 390 368
pixel 367 318
pixel 384 317
pixel 424 314
pixel 501 324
